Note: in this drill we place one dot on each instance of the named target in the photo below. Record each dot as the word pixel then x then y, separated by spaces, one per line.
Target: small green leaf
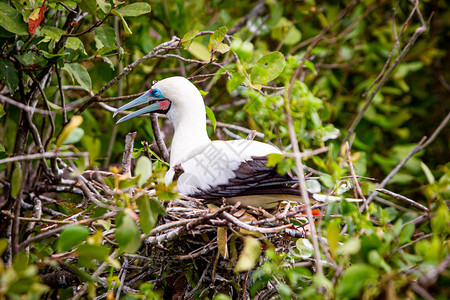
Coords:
pixel 428 173
pixel 211 116
pixel 16 180
pixel 355 279
pixel 216 39
pixel 274 159
pixel 74 122
pixel 89 6
pixel 106 35
pixel 74 137
pixel 73 43
pixel 87 253
pixel 125 24
pixel 143 169
pixel 9 75
pixel 249 255
pixel 310 66
pixel 199 51
pixel 2 111
pixel 235 81
pixel 12 20
pixel 188 38
pixel 72 236
pixel 127 234
pixel 80 74
pixel 267 68
pixel 406 233
pixel 149 210
pixel 104 6
pixel 135 9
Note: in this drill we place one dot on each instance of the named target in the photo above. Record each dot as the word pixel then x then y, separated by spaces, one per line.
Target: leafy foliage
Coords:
pixel 256 63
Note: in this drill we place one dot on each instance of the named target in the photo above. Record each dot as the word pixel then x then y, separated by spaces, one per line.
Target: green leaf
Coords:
pixel 127 234
pixel 309 64
pixel 106 35
pixel 235 81
pixel 149 210
pixel 125 24
pixel 143 169
pixel 9 75
pixel 249 255
pixel 12 20
pixel 16 180
pixel 80 74
pixel 286 32
pixel 406 233
pixel 216 38
pixel 211 116
pixel 73 43
pixel 355 279
pixel 89 6
pixel 267 68
pixel 188 38
pixel 87 253
pixel 72 236
pixel 2 111
pixel 274 159
pixel 199 51
pixel 135 9
pixel 74 137
pixel 74 122
pixel 428 173
pixel 104 6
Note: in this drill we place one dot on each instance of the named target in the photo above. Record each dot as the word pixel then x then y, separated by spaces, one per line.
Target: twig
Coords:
pixel 404 199
pixel 355 180
pixel 127 152
pixel 246 226
pixel 25 107
pixel 43 155
pixel 419 31
pixel 301 180
pixel 420 146
pixel 159 139
pixel 58 229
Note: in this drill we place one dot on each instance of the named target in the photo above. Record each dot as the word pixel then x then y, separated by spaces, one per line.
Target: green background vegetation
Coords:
pixel 244 62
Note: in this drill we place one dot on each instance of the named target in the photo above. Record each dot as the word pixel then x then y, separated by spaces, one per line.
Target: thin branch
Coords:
pixel 404 199
pixel 419 31
pixel 159 139
pixel 127 152
pixel 419 147
pixel 43 155
pixel 24 107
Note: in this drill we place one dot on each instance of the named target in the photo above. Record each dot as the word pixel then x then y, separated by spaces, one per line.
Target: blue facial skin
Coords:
pixel 156 93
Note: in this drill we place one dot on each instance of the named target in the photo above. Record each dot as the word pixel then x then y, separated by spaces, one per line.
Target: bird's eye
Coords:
pixel 156 93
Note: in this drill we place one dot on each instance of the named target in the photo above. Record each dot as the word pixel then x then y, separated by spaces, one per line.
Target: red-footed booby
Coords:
pixel 235 170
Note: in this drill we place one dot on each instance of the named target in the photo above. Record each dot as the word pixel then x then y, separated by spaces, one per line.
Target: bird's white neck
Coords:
pixel 190 132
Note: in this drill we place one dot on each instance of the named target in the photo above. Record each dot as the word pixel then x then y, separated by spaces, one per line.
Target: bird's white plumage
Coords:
pixel 205 163
pixel 214 169
pixel 214 164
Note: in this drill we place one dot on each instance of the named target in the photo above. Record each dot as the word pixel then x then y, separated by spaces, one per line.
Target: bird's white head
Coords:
pixel 175 96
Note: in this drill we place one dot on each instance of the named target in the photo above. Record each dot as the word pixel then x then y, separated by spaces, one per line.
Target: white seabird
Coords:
pixel 235 170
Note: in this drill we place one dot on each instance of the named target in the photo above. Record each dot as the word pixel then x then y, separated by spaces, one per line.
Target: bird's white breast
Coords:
pixel 215 164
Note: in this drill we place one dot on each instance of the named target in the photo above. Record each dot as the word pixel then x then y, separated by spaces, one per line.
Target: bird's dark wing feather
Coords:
pixel 253 177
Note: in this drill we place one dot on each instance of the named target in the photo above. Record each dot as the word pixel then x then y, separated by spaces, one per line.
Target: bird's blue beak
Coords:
pixel 156 105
